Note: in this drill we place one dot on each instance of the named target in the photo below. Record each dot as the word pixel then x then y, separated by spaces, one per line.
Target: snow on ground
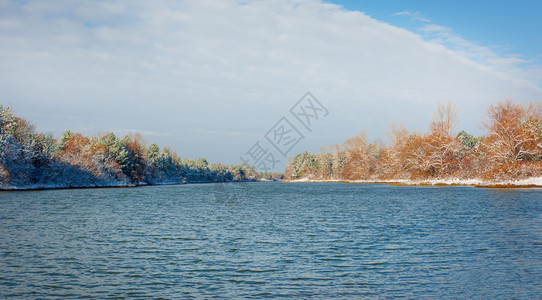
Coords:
pixel 62 186
pixel 533 181
pixel 452 181
pixel 305 179
pixel 530 182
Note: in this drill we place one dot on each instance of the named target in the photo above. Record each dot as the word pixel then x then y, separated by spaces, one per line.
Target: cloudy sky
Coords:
pixel 210 78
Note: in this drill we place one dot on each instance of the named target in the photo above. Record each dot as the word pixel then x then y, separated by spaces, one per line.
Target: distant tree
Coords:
pixel 152 153
pixel 8 121
pixel 170 163
pixel 248 170
pixel 76 151
pixel 66 136
pixel 397 138
pixel 532 126
pixel 357 157
pixel 136 164
pixel 511 149
pixel 441 140
pixel 43 150
pixel 7 147
pixel 28 158
pixel 417 155
pixel 305 164
pixel 241 173
pixel 467 141
pixel 375 150
pixel 20 155
pixel 339 159
pixel 290 172
pixel 510 135
pixel 326 163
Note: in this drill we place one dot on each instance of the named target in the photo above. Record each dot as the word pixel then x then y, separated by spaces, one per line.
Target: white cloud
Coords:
pixel 433 28
pixel 197 68
pixel 485 56
pixel 413 15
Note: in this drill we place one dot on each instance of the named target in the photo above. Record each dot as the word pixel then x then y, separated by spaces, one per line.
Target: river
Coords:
pixel 300 240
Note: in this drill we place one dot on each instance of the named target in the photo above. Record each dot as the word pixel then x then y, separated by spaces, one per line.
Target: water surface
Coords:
pixel 308 240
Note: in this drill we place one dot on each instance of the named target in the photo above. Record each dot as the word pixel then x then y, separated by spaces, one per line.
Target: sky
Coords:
pixel 212 78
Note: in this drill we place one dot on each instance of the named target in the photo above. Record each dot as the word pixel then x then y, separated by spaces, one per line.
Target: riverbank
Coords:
pixel 534 182
pixel 113 185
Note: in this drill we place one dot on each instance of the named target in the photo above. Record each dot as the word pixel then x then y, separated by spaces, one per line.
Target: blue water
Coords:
pixel 302 240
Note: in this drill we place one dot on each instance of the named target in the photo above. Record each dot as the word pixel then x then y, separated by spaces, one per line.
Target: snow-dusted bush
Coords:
pixel 511 149
pixel 33 160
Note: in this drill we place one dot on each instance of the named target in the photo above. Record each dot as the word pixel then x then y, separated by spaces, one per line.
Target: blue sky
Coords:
pixel 508 27
pixel 210 78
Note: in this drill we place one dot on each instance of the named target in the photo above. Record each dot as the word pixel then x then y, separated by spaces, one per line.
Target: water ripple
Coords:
pixel 285 240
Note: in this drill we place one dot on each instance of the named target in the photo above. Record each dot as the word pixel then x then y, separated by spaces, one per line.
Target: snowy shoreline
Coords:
pixel 116 185
pixel 534 182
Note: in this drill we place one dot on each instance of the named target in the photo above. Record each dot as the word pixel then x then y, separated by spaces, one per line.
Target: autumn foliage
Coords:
pixel 510 150
pixel 32 159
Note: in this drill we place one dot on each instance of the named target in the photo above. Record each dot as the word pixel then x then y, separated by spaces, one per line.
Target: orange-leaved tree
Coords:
pixel 357 157
pixel 513 132
pixel 441 140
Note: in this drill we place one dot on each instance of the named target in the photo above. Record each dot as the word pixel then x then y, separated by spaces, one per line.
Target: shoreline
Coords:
pixel 534 182
pixel 60 187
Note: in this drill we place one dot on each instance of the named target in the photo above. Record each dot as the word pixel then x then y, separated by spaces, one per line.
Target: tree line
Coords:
pixel 33 159
pixel 510 149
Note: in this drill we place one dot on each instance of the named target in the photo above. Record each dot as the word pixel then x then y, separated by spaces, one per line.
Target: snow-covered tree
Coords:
pixel 325 161
pixel 441 140
pixel 357 157
pixel 467 141
pixel 397 138
pixel 510 136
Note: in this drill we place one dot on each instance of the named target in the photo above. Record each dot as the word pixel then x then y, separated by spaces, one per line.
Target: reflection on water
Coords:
pixel 292 240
